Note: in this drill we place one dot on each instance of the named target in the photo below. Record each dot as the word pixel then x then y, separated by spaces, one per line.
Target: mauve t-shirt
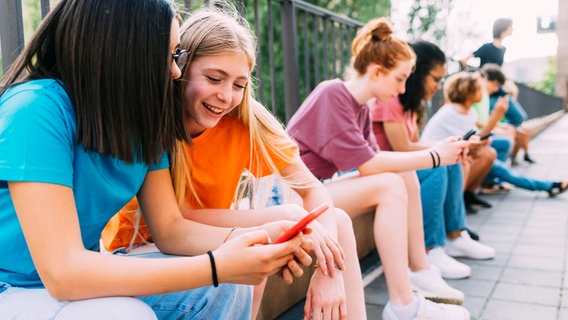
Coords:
pixel 333 130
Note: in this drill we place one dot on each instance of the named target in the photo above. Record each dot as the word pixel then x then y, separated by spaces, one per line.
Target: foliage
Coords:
pixel 548 82
pixel 428 19
pixel 362 10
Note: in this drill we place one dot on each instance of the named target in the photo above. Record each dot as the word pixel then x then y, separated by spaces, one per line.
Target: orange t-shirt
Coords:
pixel 218 157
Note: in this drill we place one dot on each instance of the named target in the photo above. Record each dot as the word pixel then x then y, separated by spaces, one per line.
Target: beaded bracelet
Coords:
pixel 316 265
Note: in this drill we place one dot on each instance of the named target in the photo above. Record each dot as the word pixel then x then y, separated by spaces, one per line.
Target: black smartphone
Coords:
pixel 484 137
pixel 468 134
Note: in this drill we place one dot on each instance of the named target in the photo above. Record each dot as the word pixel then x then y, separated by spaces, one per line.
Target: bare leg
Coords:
pixel 522 140
pixel 352 274
pixel 386 194
pixel 480 167
pixel 257 298
pixel 416 246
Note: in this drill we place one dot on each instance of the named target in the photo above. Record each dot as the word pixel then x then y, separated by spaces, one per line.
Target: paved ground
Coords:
pixel 529 230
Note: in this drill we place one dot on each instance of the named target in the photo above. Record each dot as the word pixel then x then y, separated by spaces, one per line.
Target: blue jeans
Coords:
pixel 228 301
pixel 443 208
pixel 502 145
pixel 500 171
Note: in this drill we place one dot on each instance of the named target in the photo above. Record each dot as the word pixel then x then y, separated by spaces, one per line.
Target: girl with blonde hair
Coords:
pixel 232 132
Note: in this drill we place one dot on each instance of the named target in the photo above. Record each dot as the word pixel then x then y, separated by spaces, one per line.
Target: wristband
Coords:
pixel 213 269
pixel 433 160
pixel 438 156
pixel 229 234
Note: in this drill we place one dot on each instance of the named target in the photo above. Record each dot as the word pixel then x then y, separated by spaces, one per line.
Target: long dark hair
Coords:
pixel 428 56
pixel 113 59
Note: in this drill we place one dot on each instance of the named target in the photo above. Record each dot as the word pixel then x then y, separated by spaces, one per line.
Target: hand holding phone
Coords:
pixel 468 134
pixel 301 225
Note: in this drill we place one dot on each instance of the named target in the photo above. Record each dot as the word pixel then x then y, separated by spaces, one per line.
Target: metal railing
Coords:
pixel 302 44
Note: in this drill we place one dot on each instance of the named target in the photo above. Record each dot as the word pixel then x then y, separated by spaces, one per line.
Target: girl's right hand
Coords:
pixel 246 260
pixel 451 150
pixel 502 105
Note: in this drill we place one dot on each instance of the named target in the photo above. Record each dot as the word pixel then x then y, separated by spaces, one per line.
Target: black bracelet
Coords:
pixel 213 269
pixel 438 156
pixel 433 160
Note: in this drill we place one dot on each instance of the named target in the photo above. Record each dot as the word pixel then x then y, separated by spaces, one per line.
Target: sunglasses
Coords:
pixel 180 57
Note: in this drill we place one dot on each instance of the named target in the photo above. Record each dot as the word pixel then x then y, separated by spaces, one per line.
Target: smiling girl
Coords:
pixel 231 132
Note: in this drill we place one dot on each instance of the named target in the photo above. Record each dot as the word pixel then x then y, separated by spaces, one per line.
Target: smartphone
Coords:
pixel 468 134
pixel 301 225
pixel 484 137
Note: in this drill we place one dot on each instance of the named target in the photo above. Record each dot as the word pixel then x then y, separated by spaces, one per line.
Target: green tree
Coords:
pixel 548 82
pixel 428 19
pixel 362 10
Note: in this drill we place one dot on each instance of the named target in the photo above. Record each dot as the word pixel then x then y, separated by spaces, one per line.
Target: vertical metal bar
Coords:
pixel 12 31
pixel 271 60
pixel 325 59
pixel 307 84
pixel 333 49
pixel 188 4
pixel 258 71
pixel 289 49
pixel 341 48
pixel 316 50
pixel 44 8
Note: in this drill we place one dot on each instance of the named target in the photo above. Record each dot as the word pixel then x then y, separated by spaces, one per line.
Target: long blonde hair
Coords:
pixel 210 32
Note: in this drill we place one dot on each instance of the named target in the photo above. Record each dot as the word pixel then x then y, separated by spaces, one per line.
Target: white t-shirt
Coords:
pixel 448 122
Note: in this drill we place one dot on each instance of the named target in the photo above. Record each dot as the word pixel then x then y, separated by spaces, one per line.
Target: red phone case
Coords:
pixel 302 223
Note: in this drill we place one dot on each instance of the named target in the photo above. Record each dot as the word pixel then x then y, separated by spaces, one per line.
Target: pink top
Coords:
pixel 390 111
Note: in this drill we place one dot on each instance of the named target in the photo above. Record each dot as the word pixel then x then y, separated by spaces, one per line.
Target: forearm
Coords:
pixel 91 274
pixel 315 196
pixel 493 121
pixel 386 161
pixel 242 218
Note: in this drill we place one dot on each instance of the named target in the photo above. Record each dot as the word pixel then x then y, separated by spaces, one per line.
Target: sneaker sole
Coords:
pixel 456 302
pixel 470 257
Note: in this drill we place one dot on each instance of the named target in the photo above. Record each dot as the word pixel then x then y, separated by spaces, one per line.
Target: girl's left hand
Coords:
pixel 327 250
pixel 325 298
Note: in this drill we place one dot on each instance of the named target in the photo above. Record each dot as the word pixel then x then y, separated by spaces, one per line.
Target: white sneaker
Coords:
pixel 428 310
pixel 466 247
pixel 450 268
pixel 430 284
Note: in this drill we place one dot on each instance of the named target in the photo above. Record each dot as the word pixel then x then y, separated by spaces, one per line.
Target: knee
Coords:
pixel 488 154
pixel 344 222
pixel 126 308
pixel 396 190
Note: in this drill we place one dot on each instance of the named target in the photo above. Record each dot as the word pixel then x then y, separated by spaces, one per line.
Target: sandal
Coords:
pixel 557 188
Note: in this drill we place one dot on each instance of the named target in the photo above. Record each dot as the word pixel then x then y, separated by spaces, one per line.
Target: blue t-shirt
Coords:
pixel 37 144
pixel 489 53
